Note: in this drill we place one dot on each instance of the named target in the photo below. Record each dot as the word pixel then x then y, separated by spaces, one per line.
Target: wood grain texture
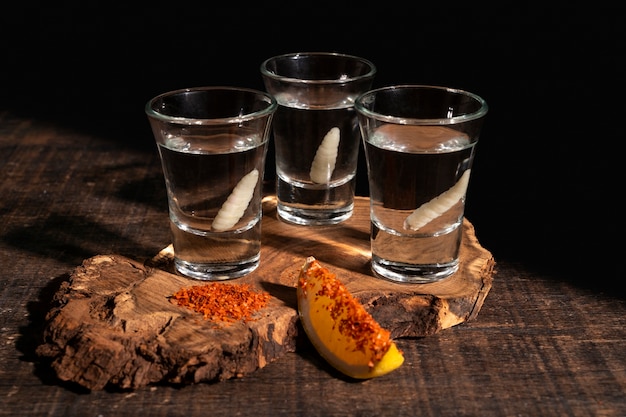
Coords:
pixel 113 325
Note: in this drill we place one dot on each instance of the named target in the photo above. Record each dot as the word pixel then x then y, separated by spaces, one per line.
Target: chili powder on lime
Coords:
pixel 347 312
pixel 220 302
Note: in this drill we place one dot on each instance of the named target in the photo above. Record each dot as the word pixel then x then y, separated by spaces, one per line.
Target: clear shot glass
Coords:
pixel 316 133
pixel 420 143
pixel 212 142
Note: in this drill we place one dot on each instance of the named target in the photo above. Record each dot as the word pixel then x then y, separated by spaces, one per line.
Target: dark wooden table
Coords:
pixel 539 346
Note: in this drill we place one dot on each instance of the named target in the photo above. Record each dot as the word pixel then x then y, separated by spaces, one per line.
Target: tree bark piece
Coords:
pixel 113 325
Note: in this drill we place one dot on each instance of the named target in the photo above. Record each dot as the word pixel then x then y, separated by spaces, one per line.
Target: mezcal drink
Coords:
pixel 316 133
pixel 419 144
pixel 212 143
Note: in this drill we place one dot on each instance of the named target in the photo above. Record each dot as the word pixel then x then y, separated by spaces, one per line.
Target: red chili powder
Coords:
pixel 221 302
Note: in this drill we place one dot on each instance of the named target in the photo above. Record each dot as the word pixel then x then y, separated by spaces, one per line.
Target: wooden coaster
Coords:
pixel 113 324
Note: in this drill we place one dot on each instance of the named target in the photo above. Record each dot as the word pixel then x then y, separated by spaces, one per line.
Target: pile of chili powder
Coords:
pixel 220 302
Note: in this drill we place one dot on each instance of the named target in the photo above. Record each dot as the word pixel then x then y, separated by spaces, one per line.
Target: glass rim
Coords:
pixel 481 112
pixel 295 55
pixel 272 105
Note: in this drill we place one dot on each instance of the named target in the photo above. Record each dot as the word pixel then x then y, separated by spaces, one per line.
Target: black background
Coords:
pixel 547 182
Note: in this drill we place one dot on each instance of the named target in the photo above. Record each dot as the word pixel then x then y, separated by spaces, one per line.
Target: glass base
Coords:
pixel 216 272
pixel 314 217
pixel 413 274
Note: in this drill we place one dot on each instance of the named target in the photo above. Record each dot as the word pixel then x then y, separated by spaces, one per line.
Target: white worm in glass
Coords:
pixel 324 162
pixel 236 203
pixel 434 208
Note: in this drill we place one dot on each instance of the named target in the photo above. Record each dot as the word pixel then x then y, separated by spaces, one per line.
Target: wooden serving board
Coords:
pixel 113 325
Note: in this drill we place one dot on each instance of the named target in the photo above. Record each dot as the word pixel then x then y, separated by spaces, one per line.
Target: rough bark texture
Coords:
pixel 113 325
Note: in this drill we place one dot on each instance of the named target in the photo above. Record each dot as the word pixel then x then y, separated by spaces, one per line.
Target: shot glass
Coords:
pixel 420 143
pixel 316 133
pixel 213 142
